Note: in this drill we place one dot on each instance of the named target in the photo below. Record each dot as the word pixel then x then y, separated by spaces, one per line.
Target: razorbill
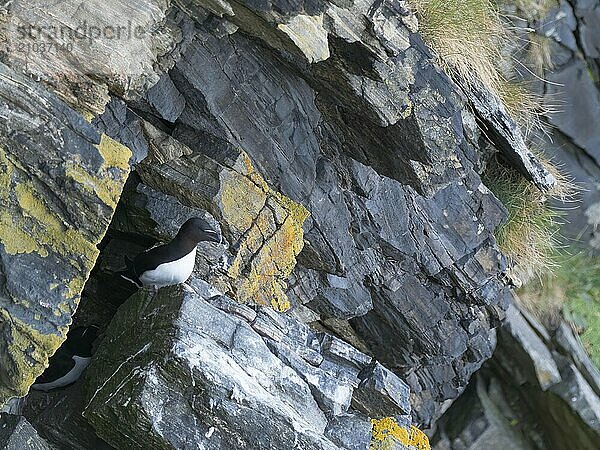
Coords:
pixel 172 263
pixel 70 360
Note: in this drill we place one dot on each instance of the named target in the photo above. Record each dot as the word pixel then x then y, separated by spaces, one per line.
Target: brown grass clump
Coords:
pixel 525 107
pixel 529 237
pixel 565 189
pixel 534 9
pixel 466 36
pixel 539 53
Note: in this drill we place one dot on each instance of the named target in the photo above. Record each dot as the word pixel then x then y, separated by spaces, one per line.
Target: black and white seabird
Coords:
pixel 70 360
pixel 172 263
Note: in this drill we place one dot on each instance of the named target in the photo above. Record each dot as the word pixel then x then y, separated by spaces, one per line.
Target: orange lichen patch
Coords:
pixel 269 226
pixel 388 429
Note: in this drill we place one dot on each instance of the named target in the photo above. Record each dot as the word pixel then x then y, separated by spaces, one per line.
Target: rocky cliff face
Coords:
pixel 540 389
pixel 60 182
pixel 360 278
pixel 396 212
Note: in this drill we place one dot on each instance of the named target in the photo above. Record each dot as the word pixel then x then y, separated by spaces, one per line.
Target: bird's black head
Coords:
pixel 80 340
pixel 198 230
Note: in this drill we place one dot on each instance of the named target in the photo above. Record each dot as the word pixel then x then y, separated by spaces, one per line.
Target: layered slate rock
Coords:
pixel 537 391
pixel 72 46
pixel 60 181
pixel 571 98
pixel 507 136
pixel 18 434
pixel 181 369
pixel 540 389
pixel 399 255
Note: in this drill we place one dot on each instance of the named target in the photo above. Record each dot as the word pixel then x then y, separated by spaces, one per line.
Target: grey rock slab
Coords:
pixel 18 434
pixel 226 304
pixel 56 415
pixel 61 181
pixel 569 344
pixel 337 349
pixel 538 356
pixel 485 421
pixel 561 24
pixel 506 135
pixel 578 98
pixel 582 399
pixel 350 431
pixel 140 32
pixel 588 15
pixel 194 368
pixel 371 141
pixel 380 391
pixel 332 393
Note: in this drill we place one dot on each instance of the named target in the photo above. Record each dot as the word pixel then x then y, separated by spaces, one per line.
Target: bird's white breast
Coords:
pixel 70 377
pixel 170 273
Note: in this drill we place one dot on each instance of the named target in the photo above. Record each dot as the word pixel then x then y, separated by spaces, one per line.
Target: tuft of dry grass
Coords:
pixel 529 237
pixel 525 107
pixel 565 189
pixel 539 53
pixel 534 9
pixel 550 276
pixel 466 36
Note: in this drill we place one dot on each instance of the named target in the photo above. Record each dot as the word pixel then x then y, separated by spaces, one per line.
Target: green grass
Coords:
pixel 581 277
pixel 574 288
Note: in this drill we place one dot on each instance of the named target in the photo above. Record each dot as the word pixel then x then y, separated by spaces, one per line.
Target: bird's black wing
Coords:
pixel 147 260
pixel 154 257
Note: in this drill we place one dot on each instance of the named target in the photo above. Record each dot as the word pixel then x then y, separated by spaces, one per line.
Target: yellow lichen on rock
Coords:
pixel 106 184
pixel 387 429
pixel 12 235
pixel 241 202
pixel 14 239
pixel 47 229
pixel 115 154
pixel 34 227
pixel 35 346
pixel 270 229
pixel 6 171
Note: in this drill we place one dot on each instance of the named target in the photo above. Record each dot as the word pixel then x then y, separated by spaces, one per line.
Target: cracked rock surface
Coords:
pixel 60 181
pixel 359 277
pixel 398 251
pixel 251 381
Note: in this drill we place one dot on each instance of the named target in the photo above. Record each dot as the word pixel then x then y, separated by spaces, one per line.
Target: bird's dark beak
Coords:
pixel 213 236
